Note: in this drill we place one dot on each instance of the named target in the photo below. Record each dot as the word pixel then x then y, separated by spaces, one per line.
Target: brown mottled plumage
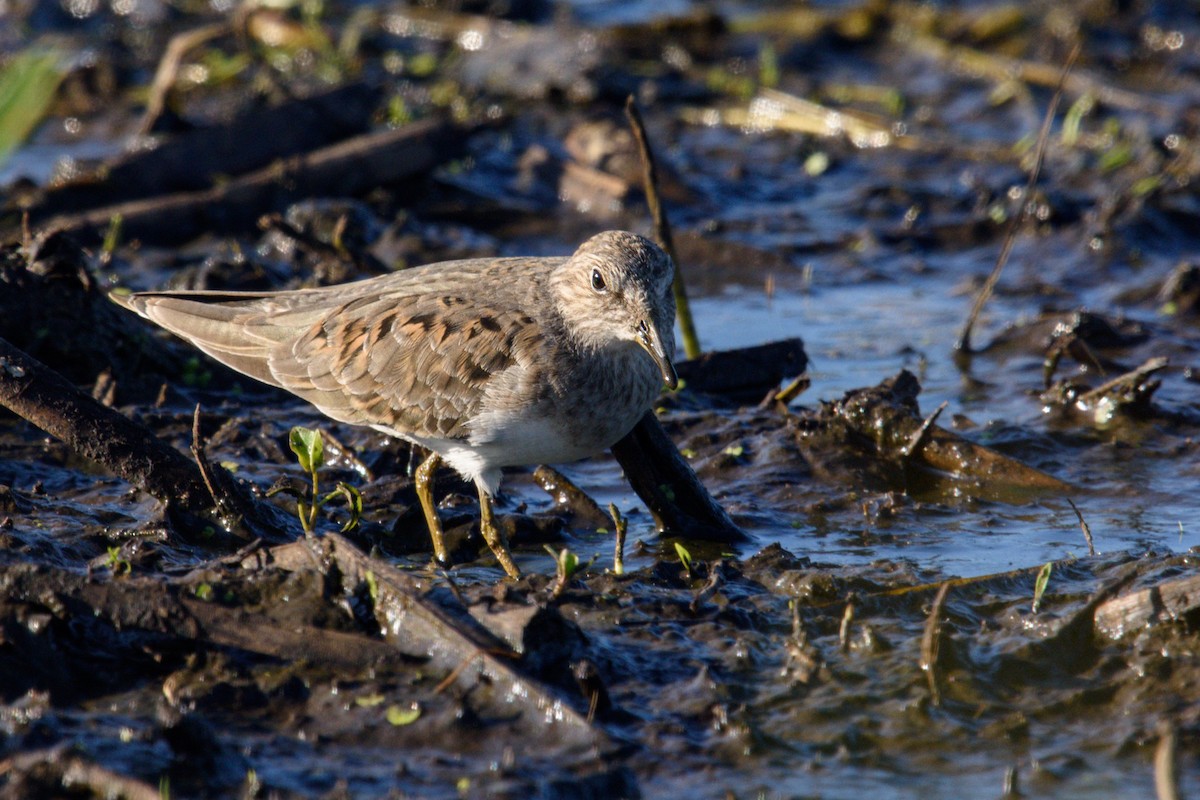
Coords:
pixel 488 362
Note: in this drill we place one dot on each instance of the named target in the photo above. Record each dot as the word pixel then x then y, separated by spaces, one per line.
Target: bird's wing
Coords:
pixel 417 364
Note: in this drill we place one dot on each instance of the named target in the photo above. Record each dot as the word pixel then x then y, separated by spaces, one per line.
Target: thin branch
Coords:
pixel 1166 769
pixel 913 446
pixel 963 345
pixel 662 229
pixel 931 644
pixel 1087 531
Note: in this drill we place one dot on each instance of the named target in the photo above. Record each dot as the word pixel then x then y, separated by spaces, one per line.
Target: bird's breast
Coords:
pixel 582 409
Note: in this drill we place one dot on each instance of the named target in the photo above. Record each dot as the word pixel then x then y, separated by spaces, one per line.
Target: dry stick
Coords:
pixel 1087 532
pixel 1011 783
pixel 913 446
pixel 793 390
pixel 622 526
pixel 931 644
pixel 40 395
pixel 844 628
pixel 716 578
pixel 1166 770
pixel 347 167
pixel 1132 378
pixel 1005 68
pixel 963 345
pixel 662 229
pixel 60 764
pixel 168 68
pixel 1154 605
pixel 232 505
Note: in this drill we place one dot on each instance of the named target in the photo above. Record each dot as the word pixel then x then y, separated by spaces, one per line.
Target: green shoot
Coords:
pixel 567 565
pixel 685 557
pixel 116 563
pixel 1039 586
pixel 309 448
pixel 111 239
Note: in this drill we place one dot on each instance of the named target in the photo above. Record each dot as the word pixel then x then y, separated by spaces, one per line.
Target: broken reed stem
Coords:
pixel 662 229
pixel 963 345
pixel 1166 769
pixel 201 458
pixel 622 527
pixel 1087 531
pixel 931 644
pixel 918 438
pixel 844 629
pixel 1131 378
pixel 168 69
pixel 1012 787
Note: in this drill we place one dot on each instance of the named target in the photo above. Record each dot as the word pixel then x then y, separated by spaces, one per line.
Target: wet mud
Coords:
pixel 861 561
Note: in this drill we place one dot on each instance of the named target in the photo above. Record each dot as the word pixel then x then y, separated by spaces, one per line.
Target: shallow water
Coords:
pixel 854 334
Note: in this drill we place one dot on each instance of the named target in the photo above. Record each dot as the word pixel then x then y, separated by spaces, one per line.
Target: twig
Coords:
pixel 913 446
pixel 844 628
pixel 622 526
pixel 347 167
pixel 780 397
pixel 40 395
pixel 963 345
pixel 1004 68
pixel 1087 532
pixel 229 503
pixel 59 765
pixel 1131 378
pixel 931 644
pixel 662 229
pixel 201 458
pixel 1166 770
pixel 1012 787
pixel 716 577
pixel 168 68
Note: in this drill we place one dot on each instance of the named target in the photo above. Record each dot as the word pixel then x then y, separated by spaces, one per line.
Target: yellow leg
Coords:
pixel 492 535
pixel 423 478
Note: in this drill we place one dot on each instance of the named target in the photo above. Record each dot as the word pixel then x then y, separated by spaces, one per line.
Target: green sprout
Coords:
pixel 111 238
pixel 567 564
pixel 118 564
pixel 309 448
pixel 1039 585
pixel 685 557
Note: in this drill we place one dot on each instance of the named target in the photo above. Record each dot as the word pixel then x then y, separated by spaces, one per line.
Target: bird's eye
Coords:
pixel 598 281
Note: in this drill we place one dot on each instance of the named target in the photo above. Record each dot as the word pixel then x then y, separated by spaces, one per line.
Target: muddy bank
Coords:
pixel 961 575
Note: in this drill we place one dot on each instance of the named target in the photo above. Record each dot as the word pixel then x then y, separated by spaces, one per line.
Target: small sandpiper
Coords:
pixel 486 363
